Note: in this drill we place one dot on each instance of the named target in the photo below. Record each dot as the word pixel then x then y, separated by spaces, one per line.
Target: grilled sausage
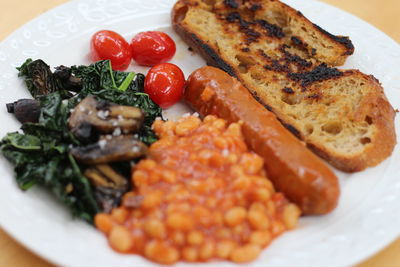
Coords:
pixel 292 168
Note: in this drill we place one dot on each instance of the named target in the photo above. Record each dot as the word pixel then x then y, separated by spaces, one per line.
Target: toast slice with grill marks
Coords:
pixel 287 63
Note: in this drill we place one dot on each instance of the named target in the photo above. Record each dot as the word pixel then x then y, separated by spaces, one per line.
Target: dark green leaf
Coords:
pixel 41 153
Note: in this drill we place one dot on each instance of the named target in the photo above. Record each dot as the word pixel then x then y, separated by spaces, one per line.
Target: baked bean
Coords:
pixel 211 202
pixel 158 126
pixel 180 221
pixel 186 126
pixel 139 240
pixel 195 238
pixel 167 128
pixel 237 171
pixel 120 214
pixel 242 182
pixel 270 208
pixel 224 233
pixel 154 177
pixel 137 213
pixel 235 216
pixel 217 160
pixel 120 238
pixel 291 215
pixel 277 228
pixel 252 163
pixel 147 164
pixel 224 248
pixel 232 158
pixel 235 130
pixel 202 215
pixel 209 119
pixel 258 206
pixel 238 230
pixel 207 250
pixel 262 194
pixel 152 199
pixel 161 252
pixel 220 124
pixel 261 238
pixel 258 220
pixel 104 222
pixel 190 254
pixel 140 177
pixel 155 229
pixel 220 143
pixel 217 218
pixel 201 195
pixel 245 253
pixel 178 238
pixel 169 176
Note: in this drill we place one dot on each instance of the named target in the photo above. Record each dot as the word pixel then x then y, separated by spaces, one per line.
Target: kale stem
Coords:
pixel 125 84
pixel 111 74
pixel 144 94
pixel 74 164
pixel 86 186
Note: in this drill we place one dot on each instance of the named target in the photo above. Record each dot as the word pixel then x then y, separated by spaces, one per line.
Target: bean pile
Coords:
pixel 201 195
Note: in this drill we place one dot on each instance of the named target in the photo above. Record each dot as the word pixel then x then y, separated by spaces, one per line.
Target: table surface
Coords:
pixel 14 14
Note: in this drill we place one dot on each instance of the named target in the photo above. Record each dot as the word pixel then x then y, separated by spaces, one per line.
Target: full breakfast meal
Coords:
pixel 223 182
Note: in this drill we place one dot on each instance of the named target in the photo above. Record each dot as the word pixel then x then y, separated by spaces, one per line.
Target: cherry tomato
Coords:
pixel 110 45
pixel 164 83
pixel 152 47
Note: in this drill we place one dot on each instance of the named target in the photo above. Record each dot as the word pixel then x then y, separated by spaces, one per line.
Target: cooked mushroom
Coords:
pixel 105 117
pixel 108 198
pixel 109 185
pixel 104 175
pixel 69 81
pixel 25 110
pixel 110 149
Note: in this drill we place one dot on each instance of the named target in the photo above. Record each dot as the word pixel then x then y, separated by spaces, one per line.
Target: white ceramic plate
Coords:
pixel 366 219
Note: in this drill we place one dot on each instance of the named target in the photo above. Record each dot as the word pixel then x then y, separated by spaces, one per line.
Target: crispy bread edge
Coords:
pixel 385 138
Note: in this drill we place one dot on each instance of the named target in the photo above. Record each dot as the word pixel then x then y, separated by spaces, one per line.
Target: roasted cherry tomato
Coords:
pixel 110 45
pixel 152 47
pixel 164 84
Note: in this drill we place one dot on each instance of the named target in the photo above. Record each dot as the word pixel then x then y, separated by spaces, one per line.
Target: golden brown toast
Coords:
pixel 287 62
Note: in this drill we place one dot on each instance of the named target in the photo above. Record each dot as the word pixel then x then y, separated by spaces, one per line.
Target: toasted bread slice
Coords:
pixel 287 63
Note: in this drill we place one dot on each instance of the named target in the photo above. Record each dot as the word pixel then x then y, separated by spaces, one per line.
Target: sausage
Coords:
pixel 292 168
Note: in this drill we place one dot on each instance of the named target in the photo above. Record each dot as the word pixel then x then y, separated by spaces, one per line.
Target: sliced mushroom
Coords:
pixel 25 110
pixel 68 80
pixel 110 149
pixel 109 185
pixel 108 198
pixel 105 117
pixel 104 175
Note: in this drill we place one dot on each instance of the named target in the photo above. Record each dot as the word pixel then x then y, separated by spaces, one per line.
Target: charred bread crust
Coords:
pixel 378 146
pixel 231 11
pixel 344 41
pixel 195 43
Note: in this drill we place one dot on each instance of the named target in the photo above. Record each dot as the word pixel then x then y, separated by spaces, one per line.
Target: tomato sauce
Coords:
pixel 200 195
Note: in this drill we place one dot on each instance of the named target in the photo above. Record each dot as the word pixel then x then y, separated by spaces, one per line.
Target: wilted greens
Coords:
pixel 41 153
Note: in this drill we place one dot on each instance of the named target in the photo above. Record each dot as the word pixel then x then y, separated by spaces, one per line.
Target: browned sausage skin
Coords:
pixel 293 169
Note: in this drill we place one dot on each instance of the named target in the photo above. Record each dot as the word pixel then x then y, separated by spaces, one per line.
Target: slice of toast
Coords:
pixel 287 62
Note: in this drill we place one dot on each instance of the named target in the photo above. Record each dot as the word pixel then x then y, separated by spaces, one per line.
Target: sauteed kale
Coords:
pixel 42 152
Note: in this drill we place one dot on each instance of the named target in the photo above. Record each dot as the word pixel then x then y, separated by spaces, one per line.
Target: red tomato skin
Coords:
pixel 110 45
pixel 164 83
pixel 152 47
